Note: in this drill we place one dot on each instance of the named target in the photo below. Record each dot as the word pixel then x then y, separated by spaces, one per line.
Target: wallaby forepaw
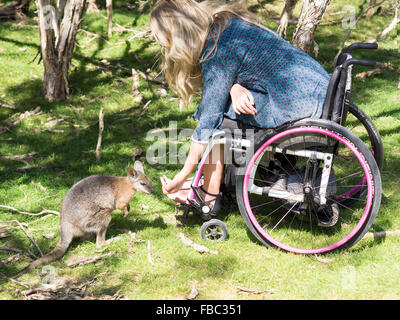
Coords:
pixel 126 211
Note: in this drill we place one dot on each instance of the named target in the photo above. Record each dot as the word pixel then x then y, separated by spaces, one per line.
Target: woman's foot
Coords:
pixel 210 200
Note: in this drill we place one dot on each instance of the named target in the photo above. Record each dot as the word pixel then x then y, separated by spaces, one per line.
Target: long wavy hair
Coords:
pixel 181 28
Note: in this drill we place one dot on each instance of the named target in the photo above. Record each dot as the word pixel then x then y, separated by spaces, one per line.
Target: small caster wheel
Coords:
pixel 214 230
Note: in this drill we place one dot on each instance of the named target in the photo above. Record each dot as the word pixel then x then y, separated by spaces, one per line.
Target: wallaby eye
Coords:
pixel 143 183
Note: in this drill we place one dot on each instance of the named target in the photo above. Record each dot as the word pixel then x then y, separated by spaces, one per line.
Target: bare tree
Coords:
pixel 311 15
pixel 286 15
pixel 109 17
pixel 58 28
pixel 16 10
pixel 92 6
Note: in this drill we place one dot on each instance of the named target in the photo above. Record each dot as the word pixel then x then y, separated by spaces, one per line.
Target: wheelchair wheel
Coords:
pixel 214 230
pixel 369 135
pixel 364 128
pixel 294 202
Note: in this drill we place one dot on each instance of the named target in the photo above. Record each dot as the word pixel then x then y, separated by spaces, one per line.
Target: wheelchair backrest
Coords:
pixel 339 89
pixel 335 108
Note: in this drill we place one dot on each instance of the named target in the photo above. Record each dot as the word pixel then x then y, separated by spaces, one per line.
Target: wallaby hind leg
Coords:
pixel 101 233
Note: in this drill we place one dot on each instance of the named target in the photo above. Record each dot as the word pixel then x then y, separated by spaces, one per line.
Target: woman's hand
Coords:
pixel 242 100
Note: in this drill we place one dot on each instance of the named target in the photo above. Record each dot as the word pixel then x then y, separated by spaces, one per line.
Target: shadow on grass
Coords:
pixel 67 149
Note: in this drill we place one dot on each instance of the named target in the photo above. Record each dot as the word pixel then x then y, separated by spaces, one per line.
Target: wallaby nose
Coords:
pixel 150 190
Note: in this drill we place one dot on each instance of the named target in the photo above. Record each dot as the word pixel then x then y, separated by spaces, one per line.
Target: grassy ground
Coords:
pixel 369 270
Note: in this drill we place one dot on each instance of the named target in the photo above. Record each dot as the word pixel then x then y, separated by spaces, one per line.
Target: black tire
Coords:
pixel 369 162
pixel 214 230
pixel 373 133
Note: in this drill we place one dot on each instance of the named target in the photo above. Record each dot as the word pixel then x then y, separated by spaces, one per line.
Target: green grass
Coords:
pixel 369 270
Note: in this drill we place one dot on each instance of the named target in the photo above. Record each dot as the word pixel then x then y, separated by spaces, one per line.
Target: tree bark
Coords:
pixel 58 28
pixel 286 15
pixel 371 10
pixel 109 17
pixel 92 6
pixel 15 10
pixel 311 15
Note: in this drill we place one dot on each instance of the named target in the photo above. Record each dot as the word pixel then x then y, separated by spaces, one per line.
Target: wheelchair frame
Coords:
pixel 336 107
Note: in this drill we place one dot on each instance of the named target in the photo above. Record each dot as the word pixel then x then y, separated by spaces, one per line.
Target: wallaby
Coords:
pixel 87 207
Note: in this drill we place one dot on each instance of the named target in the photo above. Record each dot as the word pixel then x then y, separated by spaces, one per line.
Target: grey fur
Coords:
pixel 87 207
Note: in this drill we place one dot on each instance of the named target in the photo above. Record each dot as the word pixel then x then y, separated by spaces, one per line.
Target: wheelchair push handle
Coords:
pixel 361 45
pixel 362 62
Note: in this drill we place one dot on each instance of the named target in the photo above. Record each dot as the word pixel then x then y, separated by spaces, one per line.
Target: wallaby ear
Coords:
pixel 138 166
pixel 131 172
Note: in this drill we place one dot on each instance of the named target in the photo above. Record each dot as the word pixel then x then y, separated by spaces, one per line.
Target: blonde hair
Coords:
pixel 181 28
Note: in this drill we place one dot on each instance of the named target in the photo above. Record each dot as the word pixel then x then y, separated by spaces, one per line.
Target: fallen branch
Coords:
pixel 23 116
pixel 149 253
pixel 194 293
pixel 250 291
pixel 135 86
pixel 355 23
pixel 44 211
pixel 3 105
pixel 198 247
pixel 4 232
pixel 133 240
pixel 24 158
pixel 392 25
pixel 380 234
pixel 87 260
pixel 101 129
pixel 68 292
pixel 15 281
pixel 27 254
pixel 145 107
pixel 27 169
pixel 381 66
pixel 39 185
pixel 323 260
pixel 367 74
pixel 30 237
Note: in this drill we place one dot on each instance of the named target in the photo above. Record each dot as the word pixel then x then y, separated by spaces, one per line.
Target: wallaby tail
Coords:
pixel 57 253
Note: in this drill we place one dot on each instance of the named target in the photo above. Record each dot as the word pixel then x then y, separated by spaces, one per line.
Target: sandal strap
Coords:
pixel 208 193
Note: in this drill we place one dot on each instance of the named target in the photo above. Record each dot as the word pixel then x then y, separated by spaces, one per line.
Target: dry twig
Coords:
pixel 149 253
pixel 195 292
pixel 380 234
pixel 22 116
pixel 251 291
pixel 29 236
pixel 355 23
pixel 198 247
pixel 392 25
pixel 101 129
pixel 85 260
pixel 44 211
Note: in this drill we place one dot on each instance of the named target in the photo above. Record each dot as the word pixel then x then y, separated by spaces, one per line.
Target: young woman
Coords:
pixel 248 73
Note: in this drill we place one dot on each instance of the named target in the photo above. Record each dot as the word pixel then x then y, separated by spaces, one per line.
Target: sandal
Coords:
pixel 210 208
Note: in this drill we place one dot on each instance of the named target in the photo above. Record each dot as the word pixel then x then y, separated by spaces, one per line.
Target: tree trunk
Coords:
pixel 286 15
pixel 311 15
pixel 15 10
pixel 109 17
pixel 92 6
pixel 371 10
pixel 58 28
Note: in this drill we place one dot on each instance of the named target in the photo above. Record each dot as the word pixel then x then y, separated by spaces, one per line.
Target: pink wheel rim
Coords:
pixel 367 179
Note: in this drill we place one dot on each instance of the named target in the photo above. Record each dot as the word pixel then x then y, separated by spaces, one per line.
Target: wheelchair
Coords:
pixel 310 186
